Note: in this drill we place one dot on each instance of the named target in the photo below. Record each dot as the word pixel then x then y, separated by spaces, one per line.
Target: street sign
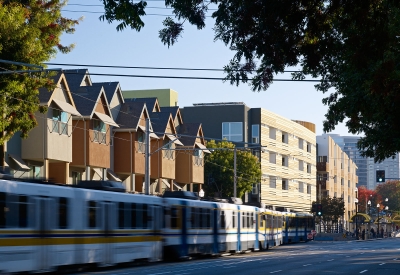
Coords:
pixel 313 232
pixel 310 236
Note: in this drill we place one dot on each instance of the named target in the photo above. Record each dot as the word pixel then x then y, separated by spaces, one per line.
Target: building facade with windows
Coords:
pixel 337 175
pixel 286 150
pixel 367 167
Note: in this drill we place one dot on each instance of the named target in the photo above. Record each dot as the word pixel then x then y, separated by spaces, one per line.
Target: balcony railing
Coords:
pixel 168 154
pixel 198 161
pixel 141 147
pixel 59 127
pixel 99 137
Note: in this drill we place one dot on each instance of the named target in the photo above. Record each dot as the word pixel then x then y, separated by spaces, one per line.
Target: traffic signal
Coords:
pixel 318 209
pixel 380 175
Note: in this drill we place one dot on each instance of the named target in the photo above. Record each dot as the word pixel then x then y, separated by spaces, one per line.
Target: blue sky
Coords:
pixel 99 43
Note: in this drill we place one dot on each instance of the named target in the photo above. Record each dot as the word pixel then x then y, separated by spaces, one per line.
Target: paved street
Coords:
pixel 352 257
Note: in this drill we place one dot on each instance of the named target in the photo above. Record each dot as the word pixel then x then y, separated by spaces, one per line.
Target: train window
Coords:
pixel 252 220
pixel 207 215
pixel 63 213
pixel 174 217
pixel 3 210
pixel 92 209
pixel 192 217
pixel 23 211
pixel 222 219
pixel 133 215
pixel 121 215
pixel 144 216
pixel 233 219
pixel 261 220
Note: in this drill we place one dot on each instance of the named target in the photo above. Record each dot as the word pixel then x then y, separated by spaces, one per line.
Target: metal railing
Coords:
pixel 59 127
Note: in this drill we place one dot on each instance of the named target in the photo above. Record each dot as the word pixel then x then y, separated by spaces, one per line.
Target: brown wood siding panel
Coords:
pixel 168 168
pixel 101 106
pixel 99 154
pixel 198 173
pixel 183 167
pixel 122 152
pixel 57 172
pixel 78 147
pixel 139 159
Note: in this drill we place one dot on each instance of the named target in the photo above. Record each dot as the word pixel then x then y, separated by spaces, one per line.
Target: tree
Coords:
pixel 390 190
pixel 219 173
pixel 332 209
pixel 365 195
pixel 351 46
pixel 30 33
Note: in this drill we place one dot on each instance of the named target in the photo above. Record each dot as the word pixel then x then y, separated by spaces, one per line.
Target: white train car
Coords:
pixel 247 228
pixel 44 227
pixel 270 228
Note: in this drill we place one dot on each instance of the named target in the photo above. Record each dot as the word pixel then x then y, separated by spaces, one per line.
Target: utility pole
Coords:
pixel 147 159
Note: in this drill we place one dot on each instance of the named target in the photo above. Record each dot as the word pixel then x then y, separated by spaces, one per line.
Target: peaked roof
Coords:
pixel 86 98
pixel 110 88
pixel 151 102
pixel 189 133
pixel 174 110
pixel 75 77
pixel 44 93
pixel 160 121
pixel 130 114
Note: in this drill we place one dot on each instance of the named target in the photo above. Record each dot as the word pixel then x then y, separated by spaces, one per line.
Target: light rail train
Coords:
pixel 44 227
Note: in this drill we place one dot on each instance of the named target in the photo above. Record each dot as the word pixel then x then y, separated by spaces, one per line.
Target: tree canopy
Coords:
pixel 30 33
pixel 391 191
pixel 351 46
pixel 219 173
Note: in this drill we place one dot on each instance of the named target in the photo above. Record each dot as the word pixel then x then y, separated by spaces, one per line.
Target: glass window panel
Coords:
pixel 236 128
pixel 225 129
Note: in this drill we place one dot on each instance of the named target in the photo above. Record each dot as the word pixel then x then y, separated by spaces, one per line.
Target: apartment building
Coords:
pixel 337 175
pixel 286 150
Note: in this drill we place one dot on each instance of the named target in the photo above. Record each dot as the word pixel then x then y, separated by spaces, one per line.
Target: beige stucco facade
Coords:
pixel 288 164
pixel 336 174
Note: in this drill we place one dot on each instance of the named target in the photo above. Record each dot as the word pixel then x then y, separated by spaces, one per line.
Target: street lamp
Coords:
pixel 356 201
pixel 378 205
pixel 369 207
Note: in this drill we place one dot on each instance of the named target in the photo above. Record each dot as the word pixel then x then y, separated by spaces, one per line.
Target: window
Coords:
pixel 133 215
pixel 174 217
pixel 285 161
pixel 121 215
pixel 308 188
pixel 301 165
pixel 99 129
pixel 145 217
pixel 272 133
pixel 60 122
pixel 168 152
pixel 76 177
pixel 3 210
pixel 233 219
pixel 92 209
pixel 255 133
pixel 301 143
pixel 285 185
pixel 272 157
pixel 198 160
pixel 232 131
pixel 285 137
pixel 141 144
pixel 35 172
pixel 222 224
pixel 272 182
pixel 308 147
pixel 301 187
pixel 255 188
pixel 62 213
pixel 308 168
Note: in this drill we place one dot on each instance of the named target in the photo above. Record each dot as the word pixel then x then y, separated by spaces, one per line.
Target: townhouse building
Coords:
pixel 337 175
pixel 91 132
pixel 286 150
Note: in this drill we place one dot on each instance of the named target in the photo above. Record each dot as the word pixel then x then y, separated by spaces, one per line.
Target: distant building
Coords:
pixel 287 158
pixel 367 167
pixel 166 97
pixel 336 175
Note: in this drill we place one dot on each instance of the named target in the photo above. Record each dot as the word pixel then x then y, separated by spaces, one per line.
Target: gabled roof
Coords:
pixel 86 99
pixel 130 114
pixel 189 133
pixel 110 88
pixel 162 122
pixel 151 103
pixel 175 112
pixel 75 77
pixel 45 94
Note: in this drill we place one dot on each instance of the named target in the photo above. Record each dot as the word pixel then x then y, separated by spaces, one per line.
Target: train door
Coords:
pixel 108 214
pixel 44 217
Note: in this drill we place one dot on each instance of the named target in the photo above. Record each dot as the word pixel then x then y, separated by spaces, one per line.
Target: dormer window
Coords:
pixel 99 129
